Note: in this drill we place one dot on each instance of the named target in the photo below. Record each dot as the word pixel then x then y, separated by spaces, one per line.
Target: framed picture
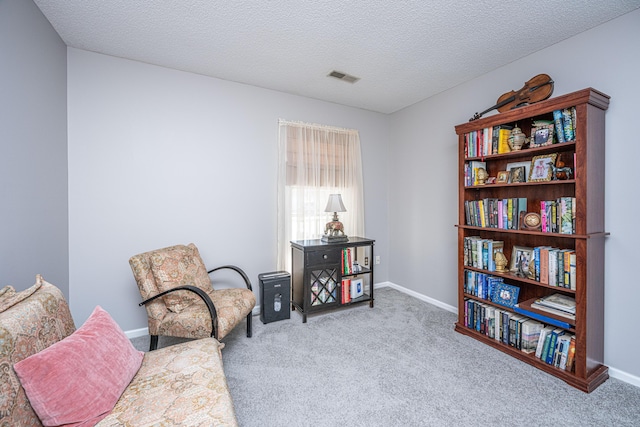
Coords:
pixel 357 288
pixel 541 135
pixel 505 294
pixel 541 167
pixel 520 257
pixel 526 165
pixel 518 174
pixel 503 177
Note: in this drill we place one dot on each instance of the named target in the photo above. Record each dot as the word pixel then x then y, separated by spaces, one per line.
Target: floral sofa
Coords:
pixel 178 385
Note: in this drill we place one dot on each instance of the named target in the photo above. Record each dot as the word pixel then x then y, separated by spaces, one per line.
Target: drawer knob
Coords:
pixel 325 256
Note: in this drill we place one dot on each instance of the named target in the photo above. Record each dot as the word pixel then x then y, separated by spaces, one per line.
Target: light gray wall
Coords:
pixel 160 157
pixel 424 161
pixel 33 158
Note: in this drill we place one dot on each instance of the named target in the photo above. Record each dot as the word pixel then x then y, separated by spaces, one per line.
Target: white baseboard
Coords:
pixel 623 376
pixel 419 296
pixel 135 333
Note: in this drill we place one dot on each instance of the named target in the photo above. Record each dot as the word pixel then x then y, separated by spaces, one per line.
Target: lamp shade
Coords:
pixel 335 204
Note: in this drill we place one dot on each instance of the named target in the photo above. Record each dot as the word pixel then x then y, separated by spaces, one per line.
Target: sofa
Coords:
pixel 180 385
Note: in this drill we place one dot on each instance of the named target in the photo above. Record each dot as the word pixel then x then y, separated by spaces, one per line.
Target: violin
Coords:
pixel 536 89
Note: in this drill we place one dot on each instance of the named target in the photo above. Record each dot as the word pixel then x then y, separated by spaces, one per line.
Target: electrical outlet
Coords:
pixel 377 259
pixel 366 261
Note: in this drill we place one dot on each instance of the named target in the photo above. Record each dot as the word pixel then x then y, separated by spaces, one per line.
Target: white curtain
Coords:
pixel 315 161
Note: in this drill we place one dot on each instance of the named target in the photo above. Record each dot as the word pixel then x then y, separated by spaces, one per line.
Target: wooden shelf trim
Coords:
pixel 536 233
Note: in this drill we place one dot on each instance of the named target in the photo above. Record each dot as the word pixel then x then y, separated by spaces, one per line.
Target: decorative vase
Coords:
pixel 516 139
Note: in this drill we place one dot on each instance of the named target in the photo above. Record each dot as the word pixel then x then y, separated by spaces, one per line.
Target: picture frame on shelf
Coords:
pixel 541 135
pixel 520 257
pixel 541 168
pixel 505 294
pixel 518 174
pixel 526 165
pixel 503 177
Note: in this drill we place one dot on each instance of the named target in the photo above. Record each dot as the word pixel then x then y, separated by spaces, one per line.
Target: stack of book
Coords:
pixel 487 141
pixel 481 253
pixel 558 216
pixel 495 213
pixel 555 267
pixel 565 124
pixel 558 304
pixel 557 348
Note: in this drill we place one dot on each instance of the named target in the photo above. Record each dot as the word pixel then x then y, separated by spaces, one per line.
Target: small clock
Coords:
pixel 530 221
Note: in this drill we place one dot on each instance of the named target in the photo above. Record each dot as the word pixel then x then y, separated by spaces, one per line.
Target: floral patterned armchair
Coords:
pixel 180 300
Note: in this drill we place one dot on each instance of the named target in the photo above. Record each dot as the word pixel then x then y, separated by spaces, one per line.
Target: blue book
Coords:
pixel 559 125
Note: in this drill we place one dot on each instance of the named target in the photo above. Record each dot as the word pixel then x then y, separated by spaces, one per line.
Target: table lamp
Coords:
pixel 334 230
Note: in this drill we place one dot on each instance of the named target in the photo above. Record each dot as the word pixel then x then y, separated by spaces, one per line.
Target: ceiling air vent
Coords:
pixel 343 76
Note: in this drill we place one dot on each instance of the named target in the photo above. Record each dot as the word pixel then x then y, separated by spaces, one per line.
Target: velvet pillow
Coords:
pixel 77 381
pixel 179 266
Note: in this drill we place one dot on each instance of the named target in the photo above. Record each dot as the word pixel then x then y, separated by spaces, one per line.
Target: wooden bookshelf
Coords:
pixel 586 157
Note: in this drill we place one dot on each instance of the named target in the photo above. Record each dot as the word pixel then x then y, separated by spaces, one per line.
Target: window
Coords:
pixel 315 161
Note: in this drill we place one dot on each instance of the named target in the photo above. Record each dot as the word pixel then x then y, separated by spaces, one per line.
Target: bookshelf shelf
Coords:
pixel 578 209
pixel 321 271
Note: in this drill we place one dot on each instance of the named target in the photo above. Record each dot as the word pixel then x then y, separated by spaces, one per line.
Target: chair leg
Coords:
pixel 154 342
pixel 249 331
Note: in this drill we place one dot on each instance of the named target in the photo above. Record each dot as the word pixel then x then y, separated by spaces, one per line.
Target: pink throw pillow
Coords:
pixel 77 381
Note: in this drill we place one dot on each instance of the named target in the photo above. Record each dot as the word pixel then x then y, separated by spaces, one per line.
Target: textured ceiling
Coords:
pixel 403 51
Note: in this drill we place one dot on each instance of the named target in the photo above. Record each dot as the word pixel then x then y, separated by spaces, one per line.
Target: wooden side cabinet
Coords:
pixel 331 275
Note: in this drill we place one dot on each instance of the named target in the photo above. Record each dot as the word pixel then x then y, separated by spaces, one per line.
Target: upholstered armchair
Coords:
pixel 179 297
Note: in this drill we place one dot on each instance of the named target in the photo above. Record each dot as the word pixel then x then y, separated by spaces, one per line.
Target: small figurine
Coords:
pixel 522 271
pixel 559 171
pixel 531 274
pixel 481 176
pixel 501 262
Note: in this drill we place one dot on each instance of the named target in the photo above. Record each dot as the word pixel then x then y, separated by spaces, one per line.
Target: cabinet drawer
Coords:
pixel 323 257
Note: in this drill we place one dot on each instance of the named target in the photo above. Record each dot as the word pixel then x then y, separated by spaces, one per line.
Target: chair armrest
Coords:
pixel 202 294
pixel 237 270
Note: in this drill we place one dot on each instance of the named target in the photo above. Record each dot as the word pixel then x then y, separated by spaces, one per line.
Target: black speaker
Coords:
pixel 275 296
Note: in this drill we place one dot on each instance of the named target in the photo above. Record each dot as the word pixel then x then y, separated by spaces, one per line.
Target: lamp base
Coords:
pixel 334 239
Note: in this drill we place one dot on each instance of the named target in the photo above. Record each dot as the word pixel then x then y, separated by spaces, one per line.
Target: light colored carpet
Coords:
pixel 399 364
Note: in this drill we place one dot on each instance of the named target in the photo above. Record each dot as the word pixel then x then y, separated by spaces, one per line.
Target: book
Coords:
pixel 572 270
pixel 565 341
pixel 567 121
pixel 569 316
pixel 558 125
pixel 551 351
pixel 357 288
pixel 346 291
pixel 503 138
pixel 553 267
pixel 514 324
pixel 571 355
pixel 544 265
pixel 497 317
pixel 530 333
pixel 559 301
pixel 544 332
pixel 566 217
